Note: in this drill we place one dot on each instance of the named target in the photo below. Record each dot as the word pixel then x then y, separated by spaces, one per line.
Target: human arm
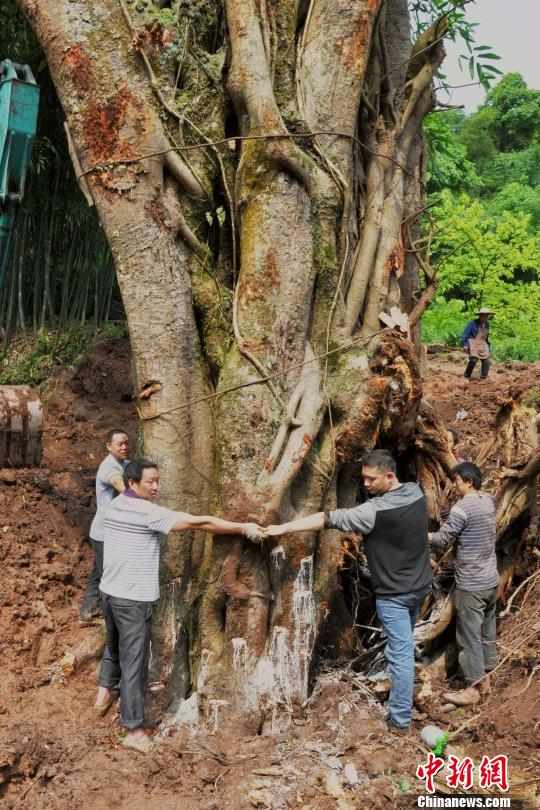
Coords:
pixel 208 523
pixel 116 480
pixel 309 523
pixel 360 519
pixel 470 331
pixel 450 530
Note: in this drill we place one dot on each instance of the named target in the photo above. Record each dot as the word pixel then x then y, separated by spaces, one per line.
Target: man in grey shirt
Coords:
pixel 109 482
pixel 394 525
pixel 471 525
pixel 133 529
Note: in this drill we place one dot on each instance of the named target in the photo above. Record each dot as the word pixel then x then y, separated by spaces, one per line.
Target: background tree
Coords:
pixel 448 165
pixel 485 260
pixel 257 169
pixel 487 243
pixel 516 120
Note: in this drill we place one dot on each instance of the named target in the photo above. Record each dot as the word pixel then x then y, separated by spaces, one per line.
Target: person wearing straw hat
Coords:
pixel 475 341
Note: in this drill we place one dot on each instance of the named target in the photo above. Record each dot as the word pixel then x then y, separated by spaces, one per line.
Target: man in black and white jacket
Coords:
pixel 394 524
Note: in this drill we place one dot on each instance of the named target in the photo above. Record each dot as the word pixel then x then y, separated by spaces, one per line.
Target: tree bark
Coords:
pixel 253 275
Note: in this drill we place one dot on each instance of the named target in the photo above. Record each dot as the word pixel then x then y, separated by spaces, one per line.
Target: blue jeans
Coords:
pixel 397 615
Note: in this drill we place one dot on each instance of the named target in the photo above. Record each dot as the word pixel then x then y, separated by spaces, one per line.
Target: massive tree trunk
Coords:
pixel 254 275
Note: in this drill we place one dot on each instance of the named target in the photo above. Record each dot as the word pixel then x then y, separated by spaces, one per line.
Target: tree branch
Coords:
pixel 177 167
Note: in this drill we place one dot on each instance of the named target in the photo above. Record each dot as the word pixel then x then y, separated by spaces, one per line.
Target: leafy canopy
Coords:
pixel 515 123
pixel 484 195
pixel 488 261
pixel 447 166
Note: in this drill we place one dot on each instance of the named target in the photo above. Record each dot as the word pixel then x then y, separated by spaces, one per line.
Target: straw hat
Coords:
pixel 485 311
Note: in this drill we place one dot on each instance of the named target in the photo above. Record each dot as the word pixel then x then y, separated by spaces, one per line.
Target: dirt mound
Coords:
pixel 336 752
pixel 46 514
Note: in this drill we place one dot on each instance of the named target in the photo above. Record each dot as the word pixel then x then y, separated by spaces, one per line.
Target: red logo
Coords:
pixel 429 770
pixel 461 772
pixel 492 772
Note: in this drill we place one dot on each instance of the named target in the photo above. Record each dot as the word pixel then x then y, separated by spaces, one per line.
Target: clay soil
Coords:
pixel 336 753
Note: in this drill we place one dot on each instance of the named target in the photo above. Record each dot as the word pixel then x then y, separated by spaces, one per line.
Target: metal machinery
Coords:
pixel 21 413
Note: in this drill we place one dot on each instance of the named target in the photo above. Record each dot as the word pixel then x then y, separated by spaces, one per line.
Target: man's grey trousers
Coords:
pixel 476 632
pixel 125 659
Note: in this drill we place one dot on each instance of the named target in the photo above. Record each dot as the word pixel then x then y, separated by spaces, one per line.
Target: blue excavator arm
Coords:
pixel 19 106
pixel 21 412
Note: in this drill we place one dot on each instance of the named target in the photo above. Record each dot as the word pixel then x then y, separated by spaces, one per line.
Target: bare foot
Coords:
pixel 138 741
pixel 136 732
pixel 104 700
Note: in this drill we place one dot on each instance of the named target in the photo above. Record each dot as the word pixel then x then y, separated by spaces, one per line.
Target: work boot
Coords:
pixel 395 729
pixel 463 697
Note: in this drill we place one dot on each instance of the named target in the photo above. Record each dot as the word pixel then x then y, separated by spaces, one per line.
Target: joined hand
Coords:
pixel 274 531
pixel 254 532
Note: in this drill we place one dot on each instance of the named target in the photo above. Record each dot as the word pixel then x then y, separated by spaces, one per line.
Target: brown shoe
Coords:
pixel 401 731
pixel 463 697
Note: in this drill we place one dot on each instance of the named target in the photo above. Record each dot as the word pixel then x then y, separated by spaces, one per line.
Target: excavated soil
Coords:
pixel 336 753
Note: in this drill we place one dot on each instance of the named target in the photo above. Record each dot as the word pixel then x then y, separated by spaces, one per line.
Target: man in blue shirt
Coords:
pixel 475 341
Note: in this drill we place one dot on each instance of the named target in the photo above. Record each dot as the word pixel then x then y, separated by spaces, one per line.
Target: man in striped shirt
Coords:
pixel 133 527
pixel 471 525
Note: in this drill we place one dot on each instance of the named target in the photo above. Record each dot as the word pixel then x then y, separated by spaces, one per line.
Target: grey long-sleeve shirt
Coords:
pixel 394 526
pixel 471 524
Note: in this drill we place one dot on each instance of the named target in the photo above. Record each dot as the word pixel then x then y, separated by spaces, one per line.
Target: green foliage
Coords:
pixel 478 58
pixel 485 72
pixel 440 746
pixel 512 167
pixel 519 198
pixel 114 330
pixel 17 41
pixel 491 261
pixel 486 243
pixel 448 166
pixel 476 134
pixel 444 321
pixel 31 361
pixel 164 16
pixel 503 137
pixel 516 120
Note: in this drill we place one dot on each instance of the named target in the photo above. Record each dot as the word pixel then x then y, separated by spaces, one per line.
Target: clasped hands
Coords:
pixel 257 534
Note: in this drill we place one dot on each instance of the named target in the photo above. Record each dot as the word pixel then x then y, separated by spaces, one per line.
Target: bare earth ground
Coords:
pixel 54 753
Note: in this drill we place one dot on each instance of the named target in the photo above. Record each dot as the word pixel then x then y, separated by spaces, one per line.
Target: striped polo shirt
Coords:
pixel 133 531
pixel 109 469
pixel 471 524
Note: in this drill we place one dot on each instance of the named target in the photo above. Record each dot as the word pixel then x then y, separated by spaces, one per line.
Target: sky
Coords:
pixel 512 28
